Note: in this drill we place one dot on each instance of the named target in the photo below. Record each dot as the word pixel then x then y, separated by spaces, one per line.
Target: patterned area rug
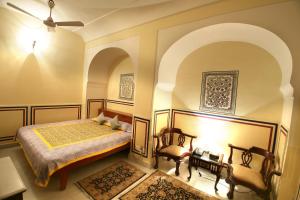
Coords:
pixel 109 182
pixel 161 186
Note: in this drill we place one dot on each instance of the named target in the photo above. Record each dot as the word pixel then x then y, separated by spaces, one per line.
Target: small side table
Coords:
pixel 11 185
pixel 215 166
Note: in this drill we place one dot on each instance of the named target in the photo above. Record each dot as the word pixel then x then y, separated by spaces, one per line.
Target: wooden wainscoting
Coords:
pixel 161 120
pixel 122 106
pixel 93 106
pixel 222 130
pixel 12 118
pixel 140 136
pixel 54 113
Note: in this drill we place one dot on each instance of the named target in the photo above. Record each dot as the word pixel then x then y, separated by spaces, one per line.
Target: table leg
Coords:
pixel 217 181
pixel 218 174
pixel 190 169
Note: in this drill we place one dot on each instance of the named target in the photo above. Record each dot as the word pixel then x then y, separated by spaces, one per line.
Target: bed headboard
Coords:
pixel 124 117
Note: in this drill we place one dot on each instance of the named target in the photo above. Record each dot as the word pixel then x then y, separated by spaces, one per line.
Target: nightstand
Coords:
pixel 207 162
pixel 11 185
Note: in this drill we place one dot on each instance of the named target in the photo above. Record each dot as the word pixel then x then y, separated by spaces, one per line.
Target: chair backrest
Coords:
pixel 167 137
pixel 247 155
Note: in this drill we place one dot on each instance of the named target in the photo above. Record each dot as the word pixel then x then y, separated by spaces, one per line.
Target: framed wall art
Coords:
pixel 219 91
pixel 126 90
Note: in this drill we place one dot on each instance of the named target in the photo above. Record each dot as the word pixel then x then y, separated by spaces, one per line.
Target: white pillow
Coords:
pixel 114 123
pixel 100 119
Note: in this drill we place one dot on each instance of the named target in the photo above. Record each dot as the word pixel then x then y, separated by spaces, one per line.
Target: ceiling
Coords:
pixel 103 17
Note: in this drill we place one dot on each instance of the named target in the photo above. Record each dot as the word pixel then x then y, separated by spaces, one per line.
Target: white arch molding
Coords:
pixel 129 45
pixel 238 32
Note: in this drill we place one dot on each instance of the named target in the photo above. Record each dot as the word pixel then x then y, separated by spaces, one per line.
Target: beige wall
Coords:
pixel 100 69
pixel 258 90
pixel 50 75
pixel 104 78
pixel 123 66
pixel 45 114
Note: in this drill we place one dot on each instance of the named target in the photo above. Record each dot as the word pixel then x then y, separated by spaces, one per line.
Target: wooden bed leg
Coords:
pixel 63 179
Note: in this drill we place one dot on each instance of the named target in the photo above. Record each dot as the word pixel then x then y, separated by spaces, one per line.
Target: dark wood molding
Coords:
pixel 272 126
pixel 46 107
pixel 147 122
pixel 88 105
pixel 156 113
pixel 119 102
pixel 124 117
pixel 284 130
pixel 24 110
pixel 105 102
pixel 7 138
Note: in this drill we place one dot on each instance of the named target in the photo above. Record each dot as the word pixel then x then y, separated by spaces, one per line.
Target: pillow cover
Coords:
pixel 125 126
pixel 100 119
pixel 114 123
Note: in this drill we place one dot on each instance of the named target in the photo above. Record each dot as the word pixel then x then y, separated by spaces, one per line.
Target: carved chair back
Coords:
pixel 167 136
pixel 267 166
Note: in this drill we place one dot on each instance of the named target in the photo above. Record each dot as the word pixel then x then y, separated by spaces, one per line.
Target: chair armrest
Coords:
pixel 191 141
pixel 188 135
pixel 270 176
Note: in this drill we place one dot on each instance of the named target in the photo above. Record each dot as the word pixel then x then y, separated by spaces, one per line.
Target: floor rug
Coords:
pixel 161 186
pixel 110 181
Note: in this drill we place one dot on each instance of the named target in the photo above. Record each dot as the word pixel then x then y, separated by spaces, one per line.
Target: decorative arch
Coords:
pixel 238 32
pixel 129 45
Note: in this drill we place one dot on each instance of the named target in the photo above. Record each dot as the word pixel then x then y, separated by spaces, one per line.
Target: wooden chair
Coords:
pixel 242 174
pixel 170 150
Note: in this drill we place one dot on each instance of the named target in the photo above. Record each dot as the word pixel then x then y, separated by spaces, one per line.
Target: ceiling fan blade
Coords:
pixel 21 10
pixel 69 23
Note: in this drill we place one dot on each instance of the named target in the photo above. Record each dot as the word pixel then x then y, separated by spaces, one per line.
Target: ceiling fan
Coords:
pixel 49 22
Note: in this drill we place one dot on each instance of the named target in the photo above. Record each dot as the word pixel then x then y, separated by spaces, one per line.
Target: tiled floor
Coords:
pixel 204 183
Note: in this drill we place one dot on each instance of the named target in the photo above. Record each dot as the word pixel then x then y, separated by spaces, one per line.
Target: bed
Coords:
pixel 57 148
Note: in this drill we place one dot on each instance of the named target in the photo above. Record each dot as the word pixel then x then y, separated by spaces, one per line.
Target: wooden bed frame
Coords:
pixel 64 172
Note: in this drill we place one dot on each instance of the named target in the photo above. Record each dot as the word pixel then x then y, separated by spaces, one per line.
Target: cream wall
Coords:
pixel 258 90
pixel 123 66
pixel 157 36
pixel 100 70
pixel 50 75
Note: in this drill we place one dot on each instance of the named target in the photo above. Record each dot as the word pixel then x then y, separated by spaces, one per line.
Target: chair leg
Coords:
pixel 177 167
pixel 267 196
pixel 230 193
pixel 156 162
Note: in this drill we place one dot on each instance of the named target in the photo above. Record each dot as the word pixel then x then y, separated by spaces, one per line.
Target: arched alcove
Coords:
pixel 100 69
pixel 104 74
pixel 256 36
pixel 130 46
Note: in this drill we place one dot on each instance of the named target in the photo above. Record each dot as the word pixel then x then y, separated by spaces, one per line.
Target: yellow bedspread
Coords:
pixel 62 135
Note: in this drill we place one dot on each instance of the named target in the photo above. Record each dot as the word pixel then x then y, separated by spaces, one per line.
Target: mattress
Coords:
pixel 50 147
